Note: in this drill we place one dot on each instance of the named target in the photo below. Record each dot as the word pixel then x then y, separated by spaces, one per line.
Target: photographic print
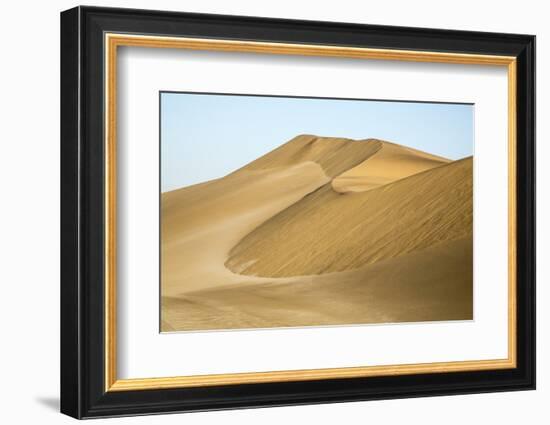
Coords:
pixel 293 211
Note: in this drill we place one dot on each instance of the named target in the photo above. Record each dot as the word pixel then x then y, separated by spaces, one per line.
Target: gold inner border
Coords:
pixel 113 41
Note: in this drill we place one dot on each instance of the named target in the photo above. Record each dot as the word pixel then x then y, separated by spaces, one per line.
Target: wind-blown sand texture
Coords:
pixel 320 231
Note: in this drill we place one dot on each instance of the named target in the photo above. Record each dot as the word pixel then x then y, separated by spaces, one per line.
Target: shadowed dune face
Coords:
pixel 320 231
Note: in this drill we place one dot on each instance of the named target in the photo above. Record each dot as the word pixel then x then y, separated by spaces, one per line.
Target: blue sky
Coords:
pixel 205 136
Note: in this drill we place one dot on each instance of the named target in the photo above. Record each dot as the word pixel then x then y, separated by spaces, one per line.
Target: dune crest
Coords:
pixel 334 154
pixel 391 162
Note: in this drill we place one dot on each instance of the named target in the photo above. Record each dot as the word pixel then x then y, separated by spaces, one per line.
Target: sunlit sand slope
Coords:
pixel 327 231
pixel 201 223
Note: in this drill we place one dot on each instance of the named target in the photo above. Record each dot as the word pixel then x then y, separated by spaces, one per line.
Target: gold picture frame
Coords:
pixel 114 41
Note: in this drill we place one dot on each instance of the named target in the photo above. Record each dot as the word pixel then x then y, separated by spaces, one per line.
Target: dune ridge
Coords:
pixel 334 154
pixel 389 163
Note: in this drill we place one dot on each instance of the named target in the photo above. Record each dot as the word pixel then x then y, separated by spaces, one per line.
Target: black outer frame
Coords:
pixel 82 219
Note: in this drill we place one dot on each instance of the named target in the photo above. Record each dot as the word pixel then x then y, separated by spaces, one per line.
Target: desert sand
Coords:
pixel 320 231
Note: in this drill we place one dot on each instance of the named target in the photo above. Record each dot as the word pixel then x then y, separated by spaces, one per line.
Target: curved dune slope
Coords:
pixel 391 162
pixel 201 223
pixel 328 232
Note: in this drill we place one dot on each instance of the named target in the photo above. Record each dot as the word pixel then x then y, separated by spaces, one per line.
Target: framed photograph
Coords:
pixel 261 212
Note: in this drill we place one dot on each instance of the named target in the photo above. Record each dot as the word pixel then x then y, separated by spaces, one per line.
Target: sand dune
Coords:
pixel 320 231
pixel 327 231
